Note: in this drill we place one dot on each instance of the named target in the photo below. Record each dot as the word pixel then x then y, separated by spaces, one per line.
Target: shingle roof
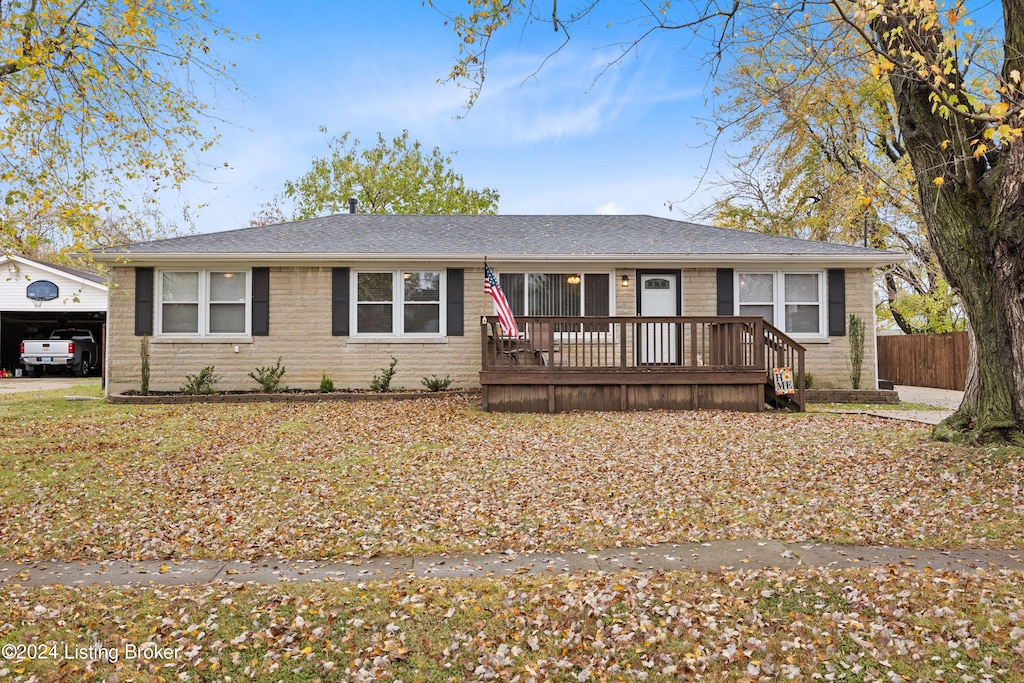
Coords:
pixel 84 274
pixel 499 236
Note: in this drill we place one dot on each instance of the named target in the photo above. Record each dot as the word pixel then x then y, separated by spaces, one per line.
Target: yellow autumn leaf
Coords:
pixel 999 110
pixel 939 182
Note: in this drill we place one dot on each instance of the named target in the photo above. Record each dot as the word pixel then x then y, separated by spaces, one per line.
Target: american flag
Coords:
pixel 505 317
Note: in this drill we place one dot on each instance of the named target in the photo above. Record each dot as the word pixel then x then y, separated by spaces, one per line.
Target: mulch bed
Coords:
pixel 288 396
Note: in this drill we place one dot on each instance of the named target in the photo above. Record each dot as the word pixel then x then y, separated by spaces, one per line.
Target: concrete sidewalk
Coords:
pixel 718 556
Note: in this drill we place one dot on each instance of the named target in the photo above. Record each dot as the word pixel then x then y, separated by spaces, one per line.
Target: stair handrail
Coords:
pixel 776 339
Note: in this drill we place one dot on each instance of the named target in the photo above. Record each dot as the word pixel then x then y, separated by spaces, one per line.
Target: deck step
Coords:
pixel 780 401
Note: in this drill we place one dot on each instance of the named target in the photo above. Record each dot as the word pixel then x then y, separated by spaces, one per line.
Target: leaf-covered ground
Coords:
pixel 90 480
pixel 880 625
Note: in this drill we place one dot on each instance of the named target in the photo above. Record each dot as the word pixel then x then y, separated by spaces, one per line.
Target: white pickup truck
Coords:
pixel 69 349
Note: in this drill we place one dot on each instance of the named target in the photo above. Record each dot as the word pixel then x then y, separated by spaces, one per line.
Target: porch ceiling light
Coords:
pixel 573 279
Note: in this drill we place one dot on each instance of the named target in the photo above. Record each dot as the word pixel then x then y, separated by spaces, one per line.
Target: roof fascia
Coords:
pixel 56 271
pixel 842 260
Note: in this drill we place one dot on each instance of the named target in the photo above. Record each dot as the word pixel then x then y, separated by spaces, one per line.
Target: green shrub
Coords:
pixel 808 380
pixel 382 382
pixel 326 384
pixel 435 383
pixel 202 383
pixel 269 378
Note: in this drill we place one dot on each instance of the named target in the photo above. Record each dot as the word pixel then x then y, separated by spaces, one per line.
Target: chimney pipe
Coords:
pixel 352 202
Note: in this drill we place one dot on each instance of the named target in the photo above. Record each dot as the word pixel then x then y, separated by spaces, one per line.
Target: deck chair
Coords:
pixel 509 346
pixel 544 344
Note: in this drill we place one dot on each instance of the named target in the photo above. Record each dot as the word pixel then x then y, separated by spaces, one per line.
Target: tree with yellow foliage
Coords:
pixel 959 115
pixel 826 161
pixel 96 104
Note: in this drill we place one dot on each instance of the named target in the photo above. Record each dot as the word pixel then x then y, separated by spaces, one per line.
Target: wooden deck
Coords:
pixel 558 364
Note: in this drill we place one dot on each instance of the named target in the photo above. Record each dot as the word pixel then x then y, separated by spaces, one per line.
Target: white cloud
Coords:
pixel 609 209
pixel 552 142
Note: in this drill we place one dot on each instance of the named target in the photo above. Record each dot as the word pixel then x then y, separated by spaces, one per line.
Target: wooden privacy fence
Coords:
pixel 924 360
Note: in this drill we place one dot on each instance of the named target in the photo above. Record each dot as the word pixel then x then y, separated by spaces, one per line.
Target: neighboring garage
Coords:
pixel 37 298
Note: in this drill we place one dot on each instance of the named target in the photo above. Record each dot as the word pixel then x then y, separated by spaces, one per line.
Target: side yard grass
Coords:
pixel 88 480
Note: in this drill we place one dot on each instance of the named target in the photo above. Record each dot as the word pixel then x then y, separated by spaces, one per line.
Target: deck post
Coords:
pixel 693 345
pixel 759 346
pixel 484 365
pixel 800 386
pixel 622 344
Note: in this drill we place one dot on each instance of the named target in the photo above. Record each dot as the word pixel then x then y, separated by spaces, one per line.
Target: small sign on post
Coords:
pixel 783 381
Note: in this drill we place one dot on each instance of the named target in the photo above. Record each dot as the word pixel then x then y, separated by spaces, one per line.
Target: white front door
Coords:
pixel 658 297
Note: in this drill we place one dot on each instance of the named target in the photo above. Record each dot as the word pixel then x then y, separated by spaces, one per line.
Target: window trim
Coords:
pixel 779 300
pixel 398 304
pixel 204 303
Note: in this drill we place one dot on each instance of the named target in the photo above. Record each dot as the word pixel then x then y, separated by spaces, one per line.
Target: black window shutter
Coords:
pixel 339 302
pixel 836 302
pixel 260 302
pixel 143 302
pixel 456 302
pixel 725 293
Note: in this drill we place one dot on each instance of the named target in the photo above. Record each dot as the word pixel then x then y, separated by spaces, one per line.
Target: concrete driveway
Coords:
pixel 945 400
pixel 25 384
pixel 941 398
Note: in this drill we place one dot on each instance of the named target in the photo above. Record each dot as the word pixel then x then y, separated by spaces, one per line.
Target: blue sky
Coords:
pixel 556 142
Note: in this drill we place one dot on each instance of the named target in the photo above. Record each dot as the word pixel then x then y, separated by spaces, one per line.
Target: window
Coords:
pixel 757 295
pixel 657 283
pixel 204 302
pixel 803 303
pixel 558 294
pixel 790 301
pixel 398 303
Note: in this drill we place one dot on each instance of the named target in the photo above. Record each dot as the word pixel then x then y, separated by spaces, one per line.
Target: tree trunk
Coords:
pixel 975 221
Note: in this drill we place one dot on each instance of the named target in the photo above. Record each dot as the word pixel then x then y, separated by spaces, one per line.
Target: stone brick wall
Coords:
pixel 827 360
pixel 300 333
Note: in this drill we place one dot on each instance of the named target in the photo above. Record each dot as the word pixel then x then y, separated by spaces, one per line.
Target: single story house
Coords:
pixel 343 294
pixel 36 298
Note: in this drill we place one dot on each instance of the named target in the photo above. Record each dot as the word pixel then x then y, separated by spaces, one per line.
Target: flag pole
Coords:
pixel 483 303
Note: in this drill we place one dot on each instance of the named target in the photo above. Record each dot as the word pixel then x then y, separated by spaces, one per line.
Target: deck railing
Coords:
pixel 647 344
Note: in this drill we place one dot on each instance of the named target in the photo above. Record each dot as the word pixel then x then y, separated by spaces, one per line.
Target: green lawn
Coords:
pixel 747 626
pixel 91 480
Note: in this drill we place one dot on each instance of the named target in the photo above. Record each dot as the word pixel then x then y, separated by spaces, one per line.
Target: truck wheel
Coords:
pixel 82 368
